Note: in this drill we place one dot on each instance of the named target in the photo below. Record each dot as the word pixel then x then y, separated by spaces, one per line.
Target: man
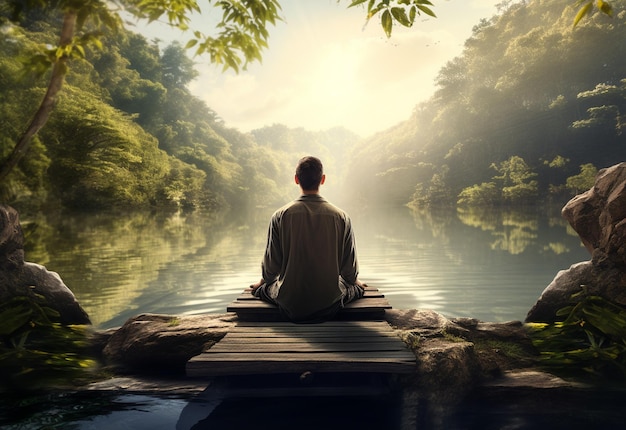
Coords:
pixel 310 267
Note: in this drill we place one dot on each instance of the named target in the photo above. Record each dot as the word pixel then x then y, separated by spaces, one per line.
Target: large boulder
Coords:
pixel 163 343
pixel 19 278
pixel 599 218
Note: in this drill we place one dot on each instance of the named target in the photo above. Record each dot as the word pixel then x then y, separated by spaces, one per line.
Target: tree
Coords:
pixel 177 68
pixel 241 36
pixel 517 185
pixel 584 180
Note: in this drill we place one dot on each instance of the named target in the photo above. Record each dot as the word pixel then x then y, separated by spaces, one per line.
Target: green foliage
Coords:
pixel 591 338
pixel 176 68
pixel 557 162
pixel 403 12
pixel 484 194
pixel 525 86
pixel 100 157
pixel 516 185
pixel 513 171
pixel 36 350
pixel 127 132
pixel 584 180
pixel 435 193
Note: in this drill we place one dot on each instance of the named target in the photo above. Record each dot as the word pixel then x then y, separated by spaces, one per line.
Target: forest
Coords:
pixel 528 112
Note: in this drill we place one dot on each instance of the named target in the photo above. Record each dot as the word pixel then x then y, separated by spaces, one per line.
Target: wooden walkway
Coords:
pixel 283 347
pixel 263 343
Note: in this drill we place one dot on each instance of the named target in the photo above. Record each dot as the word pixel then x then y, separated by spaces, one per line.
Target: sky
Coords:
pixel 325 68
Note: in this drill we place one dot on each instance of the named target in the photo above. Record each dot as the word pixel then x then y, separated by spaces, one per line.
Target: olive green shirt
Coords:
pixel 310 250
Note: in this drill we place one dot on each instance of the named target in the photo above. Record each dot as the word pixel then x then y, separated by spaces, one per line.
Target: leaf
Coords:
pixel 14 318
pixel 605 7
pixel 564 311
pixel 427 11
pixel 386 22
pixel 356 3
pixel 586 9
pixel 399 14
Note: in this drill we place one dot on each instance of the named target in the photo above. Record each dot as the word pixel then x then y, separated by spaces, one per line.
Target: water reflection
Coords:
pixel 490 265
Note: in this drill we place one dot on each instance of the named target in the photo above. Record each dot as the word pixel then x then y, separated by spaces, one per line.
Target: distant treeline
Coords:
pixel 126 131
pixel 528 112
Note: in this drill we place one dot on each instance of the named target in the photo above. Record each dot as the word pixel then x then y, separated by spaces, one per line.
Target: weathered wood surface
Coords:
pixel 371 306
pixel 283 347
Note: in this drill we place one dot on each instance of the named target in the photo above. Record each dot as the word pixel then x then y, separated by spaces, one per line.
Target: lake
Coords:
pixel 486 264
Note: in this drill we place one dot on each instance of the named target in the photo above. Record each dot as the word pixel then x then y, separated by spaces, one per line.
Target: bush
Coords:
pixel 591 338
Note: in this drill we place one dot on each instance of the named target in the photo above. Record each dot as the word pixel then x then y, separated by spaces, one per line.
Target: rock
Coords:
pixel 11 239
pixel 454 355
pixel 427 322
pixel 18 277
pixel 164 343
pixel 599 217
pixel 58 296
pixel 558 293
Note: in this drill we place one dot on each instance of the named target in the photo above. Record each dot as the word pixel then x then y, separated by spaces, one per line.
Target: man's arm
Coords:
pixel 349 265
pixel 272 259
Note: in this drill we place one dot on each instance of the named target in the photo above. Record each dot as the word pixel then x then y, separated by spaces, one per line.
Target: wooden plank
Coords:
pixel 371 306
pixel 265 333
pixel 257 304
pixel 369 293
pixel 322 347
pixel 285 347
pixel 344 356
pixel 360 303
pixel 236 364
pixel 323 326
pixel 316 337
pixel 338 331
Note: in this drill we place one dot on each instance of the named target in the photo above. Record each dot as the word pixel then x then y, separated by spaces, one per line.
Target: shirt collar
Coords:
pixel 311 198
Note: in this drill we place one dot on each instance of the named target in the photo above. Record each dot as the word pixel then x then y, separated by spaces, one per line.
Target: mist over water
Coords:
pixel 490 265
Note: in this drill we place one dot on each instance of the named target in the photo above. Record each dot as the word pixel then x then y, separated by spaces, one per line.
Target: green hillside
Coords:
pixel 528 113
pixel 529 101
pixel 126 131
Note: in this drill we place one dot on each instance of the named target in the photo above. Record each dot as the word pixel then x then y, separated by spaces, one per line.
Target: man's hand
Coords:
pixel 361 284
pixel 257 284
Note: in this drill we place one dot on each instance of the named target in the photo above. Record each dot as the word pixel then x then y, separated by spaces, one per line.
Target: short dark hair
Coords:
pixel 309 172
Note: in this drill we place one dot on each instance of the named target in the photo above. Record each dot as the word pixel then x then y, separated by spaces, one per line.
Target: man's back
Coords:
pixel 310 267
pixel 310 245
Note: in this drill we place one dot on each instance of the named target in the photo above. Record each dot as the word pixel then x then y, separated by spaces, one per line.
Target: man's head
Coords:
pixel 310 173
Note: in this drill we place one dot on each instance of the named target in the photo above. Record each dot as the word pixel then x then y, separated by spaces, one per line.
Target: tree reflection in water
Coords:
pixel 487 264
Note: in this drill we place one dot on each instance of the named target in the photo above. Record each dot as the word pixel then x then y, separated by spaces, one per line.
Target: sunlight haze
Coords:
pixel 325 68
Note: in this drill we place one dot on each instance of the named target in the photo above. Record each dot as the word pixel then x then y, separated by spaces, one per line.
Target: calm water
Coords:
pixel 490 265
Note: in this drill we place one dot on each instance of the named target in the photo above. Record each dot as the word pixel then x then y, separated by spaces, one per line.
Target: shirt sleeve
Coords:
pixel 273 258
pixel 349 264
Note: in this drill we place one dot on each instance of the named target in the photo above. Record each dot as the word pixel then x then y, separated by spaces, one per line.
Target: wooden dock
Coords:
pixel 284 347
pixel 264 343
pixel 263 358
